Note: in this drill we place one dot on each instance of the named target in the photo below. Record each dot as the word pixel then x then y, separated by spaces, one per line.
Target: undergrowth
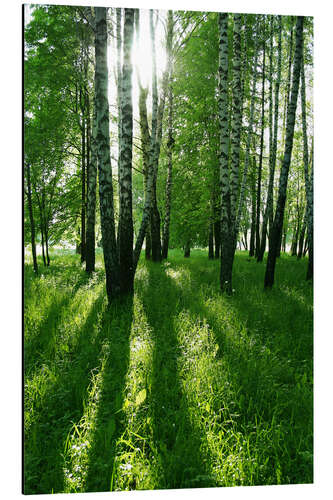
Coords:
pixel 175 387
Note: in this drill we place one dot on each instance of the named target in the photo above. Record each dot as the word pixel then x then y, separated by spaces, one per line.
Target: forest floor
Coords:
pixel 175 387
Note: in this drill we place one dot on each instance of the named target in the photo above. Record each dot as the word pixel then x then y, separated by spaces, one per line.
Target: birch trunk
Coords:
pixel 309 274
pixel 236 122
pixel 291 114
pixel 253 215
pixel 170 143
pixel 217 238
pixel 211 241
pixel 287 95
pixel 119 77
pixel 91 199
pixel 248 143
pixel 46 232
pixel 168 188
pixel 281 246
pixel 306 246
pixel 261 149
pixel 144 231
pixel 42 242
pixel 227 244
pixel 275 134
pixel 147 211
pixel 301 238
pixel 155 220
pixel 245 240
pixel 283 242
pixel 118 35
pixel 294 241
pixel 83 185
pixel 125 227
pixel 32 221
pixel 153 136
pixel 43 225
pixel 119 85
pixel 308 179
pixel 269 199
pixel 103 155
pixel 156 246
pixel 88 150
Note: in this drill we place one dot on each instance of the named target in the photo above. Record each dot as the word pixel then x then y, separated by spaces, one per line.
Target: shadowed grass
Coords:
pixel 177 387
pixel 55 387
pixel 108 421
pixel 264 347
pixel 177 439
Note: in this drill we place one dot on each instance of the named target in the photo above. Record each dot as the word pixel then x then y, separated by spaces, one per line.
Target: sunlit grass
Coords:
pixel 177 387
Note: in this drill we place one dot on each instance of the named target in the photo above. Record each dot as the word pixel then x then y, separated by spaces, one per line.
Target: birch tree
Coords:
pixel 229 187
pixel 170 143
pixel 119 82
pixel 236 120
pixel 103 156
pixel 308 178
pixel 154 213
pixel 144 231
pixel 309 274
pixel 32 220
pixel 125 227
pixel 149 151
pixel 262 130
pixel 91 199
pixel 227 248
pixel 291 113
pixel 268 215
pixel 249 136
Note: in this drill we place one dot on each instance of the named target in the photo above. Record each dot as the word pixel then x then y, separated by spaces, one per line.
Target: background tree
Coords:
pixel 170 143
pixel 278 219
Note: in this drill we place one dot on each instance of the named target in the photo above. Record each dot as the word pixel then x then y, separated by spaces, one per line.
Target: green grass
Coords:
pixel 175 387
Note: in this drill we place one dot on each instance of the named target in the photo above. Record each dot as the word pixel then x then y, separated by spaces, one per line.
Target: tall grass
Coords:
pixel 175 387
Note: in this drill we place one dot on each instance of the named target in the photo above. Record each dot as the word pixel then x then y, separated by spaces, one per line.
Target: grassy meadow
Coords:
pixel 175 387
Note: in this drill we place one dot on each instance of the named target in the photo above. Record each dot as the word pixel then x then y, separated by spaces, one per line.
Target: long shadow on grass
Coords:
pixel 176 439
pixel 281 318
pixel 61 403
pixel 108 423
pixel 40 346
pixel 263 368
